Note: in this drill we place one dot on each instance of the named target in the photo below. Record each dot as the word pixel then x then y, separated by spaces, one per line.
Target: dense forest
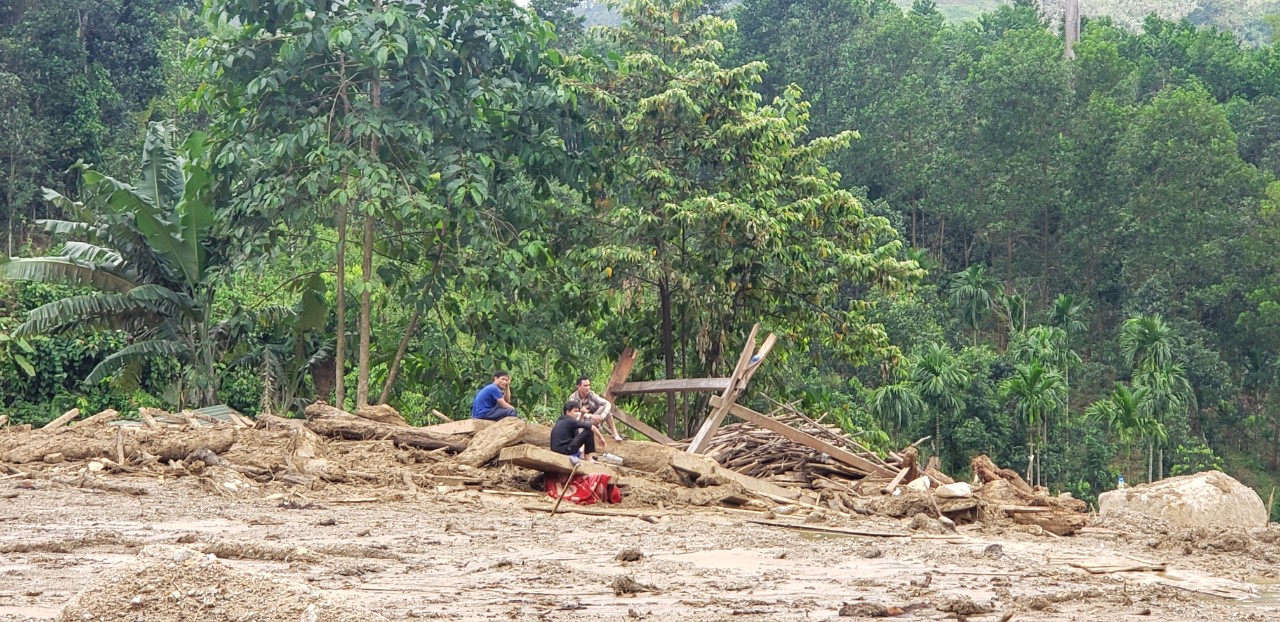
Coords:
pixel 956 230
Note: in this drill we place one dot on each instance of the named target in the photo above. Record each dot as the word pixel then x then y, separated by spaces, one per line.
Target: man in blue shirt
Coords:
pixel 493 402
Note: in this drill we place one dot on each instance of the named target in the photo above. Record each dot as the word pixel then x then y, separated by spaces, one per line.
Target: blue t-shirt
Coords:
pixel 486 399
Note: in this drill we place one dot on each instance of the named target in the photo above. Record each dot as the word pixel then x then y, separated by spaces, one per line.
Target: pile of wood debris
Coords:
pixel 376 451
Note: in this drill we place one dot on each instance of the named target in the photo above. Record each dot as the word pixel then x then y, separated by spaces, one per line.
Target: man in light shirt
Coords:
pixel 597 406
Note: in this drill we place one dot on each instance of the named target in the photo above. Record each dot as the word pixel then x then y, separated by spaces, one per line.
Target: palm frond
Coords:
pixel 162 177
pixel 64 227
pixel 90 253
pixel 67 271
pixel 137 352
pixel 52 317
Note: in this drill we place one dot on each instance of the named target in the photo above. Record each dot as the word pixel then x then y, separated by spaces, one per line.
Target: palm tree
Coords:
pixel 1167 392
pixel 1067 313
pixel 940 382
pixel 895 404
pixel 1036 391
pixel 1147 342
pixel 143 250
pixel 1119 413
pixel 971 291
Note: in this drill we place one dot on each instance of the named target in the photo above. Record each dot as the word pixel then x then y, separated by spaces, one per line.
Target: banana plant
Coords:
pixel 141 250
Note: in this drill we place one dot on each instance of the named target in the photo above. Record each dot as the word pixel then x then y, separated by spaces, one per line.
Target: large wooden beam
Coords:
pixel 808 440
pixel 716 385
pixel 619 376
pixel 626 361
pixel 641 427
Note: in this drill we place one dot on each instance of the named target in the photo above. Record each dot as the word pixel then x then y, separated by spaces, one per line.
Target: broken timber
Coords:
pixel 808 440
pixel 679 384
pixel 620 372
pixel 747 365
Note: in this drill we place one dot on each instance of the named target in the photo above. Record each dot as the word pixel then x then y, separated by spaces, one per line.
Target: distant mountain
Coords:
pixel 1243 17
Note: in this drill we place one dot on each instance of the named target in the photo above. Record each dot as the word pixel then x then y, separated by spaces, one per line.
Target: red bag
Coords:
pixel 584 489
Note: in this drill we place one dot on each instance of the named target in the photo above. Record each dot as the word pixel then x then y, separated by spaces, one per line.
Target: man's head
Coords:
pixel 502 379
pixel 584 385
pixel 572 408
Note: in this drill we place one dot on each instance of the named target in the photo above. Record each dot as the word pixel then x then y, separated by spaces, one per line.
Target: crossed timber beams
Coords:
pixel 725 404
pixel 730 389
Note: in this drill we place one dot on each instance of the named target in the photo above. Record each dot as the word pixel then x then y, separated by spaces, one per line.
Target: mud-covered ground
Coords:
pixel 454 554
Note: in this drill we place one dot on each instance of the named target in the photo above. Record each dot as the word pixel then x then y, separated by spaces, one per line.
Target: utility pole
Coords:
pixel 1072 27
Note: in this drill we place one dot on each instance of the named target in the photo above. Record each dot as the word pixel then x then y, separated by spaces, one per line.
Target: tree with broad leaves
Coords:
pixel 144 248
pixel 717 210
pixel 410 118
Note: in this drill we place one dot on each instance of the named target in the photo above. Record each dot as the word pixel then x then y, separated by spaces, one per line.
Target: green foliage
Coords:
pixel 719 209
pixel 142 251
pixel 1194 457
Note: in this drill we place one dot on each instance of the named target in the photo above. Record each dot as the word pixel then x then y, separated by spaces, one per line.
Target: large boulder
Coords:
pixel 1208 499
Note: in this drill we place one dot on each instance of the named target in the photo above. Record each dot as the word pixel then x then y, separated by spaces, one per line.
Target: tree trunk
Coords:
pixel 668 353
pixel 366 311
pixel 366 265
pixel 340 345
pixel 395 362
pixel 1151 457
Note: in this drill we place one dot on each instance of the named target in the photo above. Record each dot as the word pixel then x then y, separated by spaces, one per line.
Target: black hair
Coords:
pixel 572 405
pixel 581 378
pixel 501 374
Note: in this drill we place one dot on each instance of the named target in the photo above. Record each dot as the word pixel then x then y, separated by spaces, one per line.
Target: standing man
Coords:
pixel 493 402
pixel 596 405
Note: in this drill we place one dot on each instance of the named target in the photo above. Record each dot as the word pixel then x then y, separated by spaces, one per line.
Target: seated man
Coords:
pixel 596 405
pixel 493 401
pixel 574 433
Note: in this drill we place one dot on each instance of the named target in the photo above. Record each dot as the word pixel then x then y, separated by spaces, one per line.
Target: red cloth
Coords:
pixel 584 489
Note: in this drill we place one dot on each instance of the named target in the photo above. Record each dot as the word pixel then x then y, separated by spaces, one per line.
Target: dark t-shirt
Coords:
pixel 563 433
pixel 486 399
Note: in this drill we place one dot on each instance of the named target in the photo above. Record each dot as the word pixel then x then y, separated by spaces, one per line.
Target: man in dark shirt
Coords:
pixel 493 402
pixel 573 432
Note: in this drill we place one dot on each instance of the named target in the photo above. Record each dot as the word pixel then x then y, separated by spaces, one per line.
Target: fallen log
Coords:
pixel 1056 523
pixel 62 420
pixel 105 416
pixel 326 420
pixel 486 444
pixel 986 471
pixel 382 413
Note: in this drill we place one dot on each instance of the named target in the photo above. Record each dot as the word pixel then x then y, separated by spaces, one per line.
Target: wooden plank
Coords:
pixel 641 427
pixel 708 429
pixel 626 361
pixel 591 511
pixel 830 530
pixel 461 426
pixel 808 440
pixel 717 385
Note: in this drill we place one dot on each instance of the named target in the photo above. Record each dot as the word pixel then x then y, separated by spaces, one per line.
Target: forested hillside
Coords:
pixel 957 232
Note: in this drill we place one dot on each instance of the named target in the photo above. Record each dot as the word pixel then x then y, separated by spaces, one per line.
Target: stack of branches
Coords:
pixel 767 455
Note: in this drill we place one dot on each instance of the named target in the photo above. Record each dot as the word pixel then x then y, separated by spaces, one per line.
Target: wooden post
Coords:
pixel 747 365
pixel 619 376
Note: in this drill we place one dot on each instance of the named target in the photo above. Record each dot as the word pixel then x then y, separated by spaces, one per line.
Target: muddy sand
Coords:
pixel 182 552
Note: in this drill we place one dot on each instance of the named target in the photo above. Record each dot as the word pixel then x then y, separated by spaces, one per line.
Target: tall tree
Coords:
pixel 1036 392
pixel 940 381
pixel 718 209
pixel 407 116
